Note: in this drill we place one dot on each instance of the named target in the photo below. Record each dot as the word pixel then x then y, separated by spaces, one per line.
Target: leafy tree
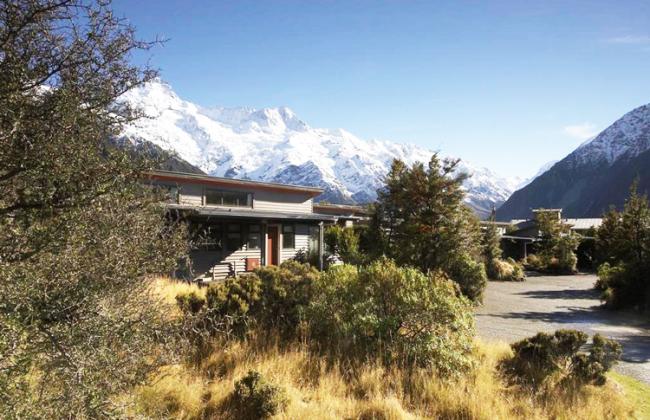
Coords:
pixel 497 268
pixel 344 243
pixel 79 233
pixel 398 313
pixel 558 244
pixel 421 220
pixel 491 241
pixel 623 243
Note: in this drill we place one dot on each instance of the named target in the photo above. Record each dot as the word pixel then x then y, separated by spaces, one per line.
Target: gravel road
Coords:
pixel 512 311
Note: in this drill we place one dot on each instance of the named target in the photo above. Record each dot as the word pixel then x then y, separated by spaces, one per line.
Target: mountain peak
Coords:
pixel 627 136
pixel 595 176
pixel 274 144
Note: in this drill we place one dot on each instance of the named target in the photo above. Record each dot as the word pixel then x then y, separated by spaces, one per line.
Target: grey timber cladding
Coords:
pixel 273 201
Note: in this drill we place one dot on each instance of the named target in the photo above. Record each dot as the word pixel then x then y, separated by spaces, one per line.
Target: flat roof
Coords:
pixel 251 214
pixel 161 175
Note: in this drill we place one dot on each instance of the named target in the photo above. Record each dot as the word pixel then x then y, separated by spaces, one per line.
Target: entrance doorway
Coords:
pixel 272 243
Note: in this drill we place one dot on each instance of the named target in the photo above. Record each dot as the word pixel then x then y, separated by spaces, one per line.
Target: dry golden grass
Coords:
pixel 321 390
pixel 166 289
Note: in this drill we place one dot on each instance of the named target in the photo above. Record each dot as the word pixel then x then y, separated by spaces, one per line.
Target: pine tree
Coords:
pixel 422 221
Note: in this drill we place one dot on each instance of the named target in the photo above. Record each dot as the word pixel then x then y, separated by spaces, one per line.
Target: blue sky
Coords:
pixel 509 85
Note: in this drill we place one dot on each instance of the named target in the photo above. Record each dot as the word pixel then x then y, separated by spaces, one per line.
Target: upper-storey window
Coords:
pixel 214 197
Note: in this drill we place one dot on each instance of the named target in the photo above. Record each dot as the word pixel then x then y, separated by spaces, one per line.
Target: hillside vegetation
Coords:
pixel 316 386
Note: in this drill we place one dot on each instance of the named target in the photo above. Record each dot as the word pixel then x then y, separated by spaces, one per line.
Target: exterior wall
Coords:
pixel 205 262
pixel 301 243
pixel 263 200
pixel 190 194
pixel 282 202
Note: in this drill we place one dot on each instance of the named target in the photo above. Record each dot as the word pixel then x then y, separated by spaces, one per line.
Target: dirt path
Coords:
pixel 512 311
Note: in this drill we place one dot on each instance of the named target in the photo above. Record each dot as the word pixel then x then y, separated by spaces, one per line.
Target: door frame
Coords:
pixel 278 245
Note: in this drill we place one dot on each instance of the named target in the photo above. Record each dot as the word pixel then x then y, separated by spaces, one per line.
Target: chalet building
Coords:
pixel 238 225
pixel 524 232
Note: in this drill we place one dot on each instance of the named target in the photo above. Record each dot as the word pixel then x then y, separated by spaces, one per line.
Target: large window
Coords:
pixel 226 198
pixel 288 236
pixel 254 237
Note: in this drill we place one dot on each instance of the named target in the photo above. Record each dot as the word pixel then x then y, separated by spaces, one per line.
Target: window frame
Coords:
pixel 288 231
pixel 247 202
pixel 254 230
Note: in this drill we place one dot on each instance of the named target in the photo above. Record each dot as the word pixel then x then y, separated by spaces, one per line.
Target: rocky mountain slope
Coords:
pixel 594 176
pixel 273 144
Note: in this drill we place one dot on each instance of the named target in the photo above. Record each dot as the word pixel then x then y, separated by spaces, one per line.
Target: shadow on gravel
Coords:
pixel 562 294
pixel 566 316
pixel 636 344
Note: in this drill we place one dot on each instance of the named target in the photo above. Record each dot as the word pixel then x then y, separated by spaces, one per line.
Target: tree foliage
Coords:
pixel 344 244
pixel 623 245
pixel 557 246
pixel 497 268
pixel 545 361
pixel 79 234
pixel 398 314
pixel 421 220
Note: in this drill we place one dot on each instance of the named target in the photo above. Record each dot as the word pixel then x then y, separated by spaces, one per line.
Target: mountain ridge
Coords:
pixel 274 144
pixel 593 177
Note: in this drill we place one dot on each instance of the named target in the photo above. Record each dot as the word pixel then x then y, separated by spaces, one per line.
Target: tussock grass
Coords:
pixel 166 289
pixel 320 388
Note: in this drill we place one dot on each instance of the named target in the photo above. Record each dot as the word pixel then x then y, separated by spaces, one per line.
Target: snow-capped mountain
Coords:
pixel 626 138
pixel 273 144
pixel 593 177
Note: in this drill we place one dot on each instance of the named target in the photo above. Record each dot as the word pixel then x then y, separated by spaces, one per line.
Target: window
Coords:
pixel 233 237
pixel 288 236
pixel 254 237
pixel 314 237
pixel 226 198
pixel 206 237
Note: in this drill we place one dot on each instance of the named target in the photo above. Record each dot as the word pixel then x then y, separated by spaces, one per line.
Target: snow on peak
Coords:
pixel 273 144
pixel 627 137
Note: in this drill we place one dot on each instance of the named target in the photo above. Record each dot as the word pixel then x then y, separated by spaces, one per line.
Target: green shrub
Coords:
pixel 190 302
pixel 285 294
pixel 622 285
pixel 255 398
pixel 229 302
pixel 396 313
pixel 344 243
pixel 470 276
pixel 548 360
pixel 273 298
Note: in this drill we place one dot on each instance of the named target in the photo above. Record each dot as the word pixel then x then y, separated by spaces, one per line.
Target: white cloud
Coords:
pixel 582 131
pixel 630 40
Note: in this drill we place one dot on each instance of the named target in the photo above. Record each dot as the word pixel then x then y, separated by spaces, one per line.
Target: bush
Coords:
pixel 470 276
pixel 505 270
pixel 286 293
pixel 273 298
pixel 255 398
pixel 190 302
pixel 344 244
pixel 622 285
pixel 399 314
pixel 548 360
pixel 230 302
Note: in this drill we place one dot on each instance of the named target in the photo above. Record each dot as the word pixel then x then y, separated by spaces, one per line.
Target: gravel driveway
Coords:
pixel 512 311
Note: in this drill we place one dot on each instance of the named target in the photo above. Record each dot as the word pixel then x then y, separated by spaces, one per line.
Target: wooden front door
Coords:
pixel 272 257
